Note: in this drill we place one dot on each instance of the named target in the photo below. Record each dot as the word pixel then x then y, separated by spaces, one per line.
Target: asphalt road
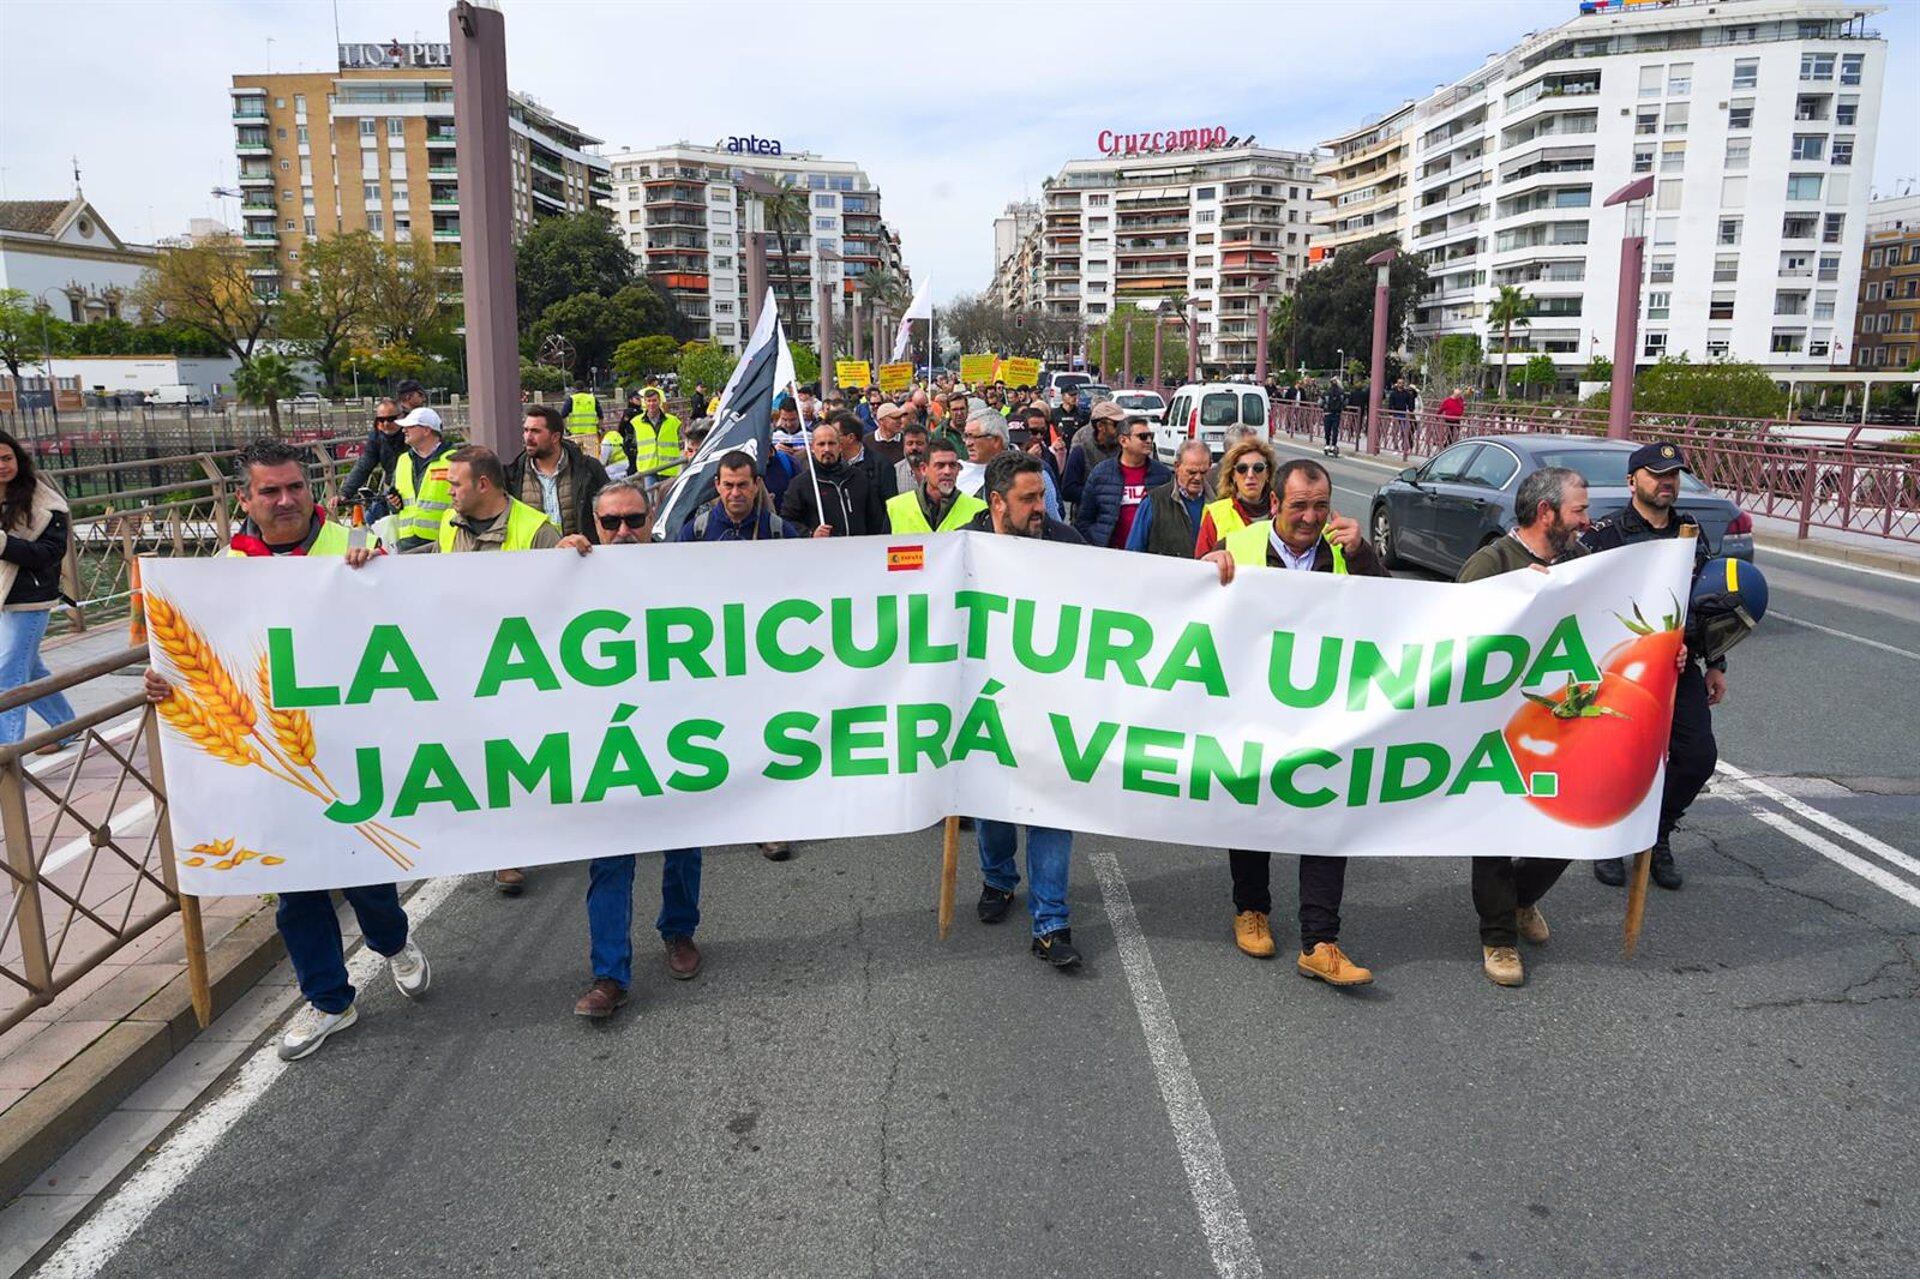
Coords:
pixel 840 1094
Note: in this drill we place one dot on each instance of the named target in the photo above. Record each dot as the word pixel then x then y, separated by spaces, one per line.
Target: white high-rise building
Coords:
pixel 685 212
pixel 1757 120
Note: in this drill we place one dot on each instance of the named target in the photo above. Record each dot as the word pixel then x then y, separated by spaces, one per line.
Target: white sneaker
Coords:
pixel 411 972
pixel 311 1028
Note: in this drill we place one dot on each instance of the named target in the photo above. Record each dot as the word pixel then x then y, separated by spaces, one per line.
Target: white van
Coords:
pixel 1205 411
pixel 177 393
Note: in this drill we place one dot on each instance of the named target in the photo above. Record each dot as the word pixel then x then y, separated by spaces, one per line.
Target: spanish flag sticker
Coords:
pixel 906 559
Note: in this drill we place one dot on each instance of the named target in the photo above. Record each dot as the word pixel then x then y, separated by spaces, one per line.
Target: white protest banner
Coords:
pixel 432 715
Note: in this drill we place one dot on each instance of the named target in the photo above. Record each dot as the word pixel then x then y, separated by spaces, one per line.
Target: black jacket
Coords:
pixel 379 454
pixel 1626 527
pixel 1333 402
pixel 880 472
pixel 39 559
pixel 854 506
pixel 1055 530
pixel 589 477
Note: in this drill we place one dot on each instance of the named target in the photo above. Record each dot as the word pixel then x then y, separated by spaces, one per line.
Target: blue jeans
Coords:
pixel 20 635
pixel 1048 853
pixel 610 908
pixel 311 931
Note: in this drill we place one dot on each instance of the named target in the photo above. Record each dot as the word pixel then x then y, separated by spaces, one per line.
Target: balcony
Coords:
pixel 441 137
pixel 685 281
pixel 259 237
pixel 246 145
pixel 259 178
pixel 443 169
pixel 250 109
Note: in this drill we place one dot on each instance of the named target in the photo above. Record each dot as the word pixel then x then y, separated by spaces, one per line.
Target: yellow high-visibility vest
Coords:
pixel 905 516
pixel 1248 547
pixel 1227 519
pixel 523 523
pixel 583 418
pixel 334 538
pixel 425 496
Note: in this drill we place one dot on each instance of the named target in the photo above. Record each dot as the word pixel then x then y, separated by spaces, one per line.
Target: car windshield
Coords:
pixel 1137 401
pixel 1219 408
pixel 1605 468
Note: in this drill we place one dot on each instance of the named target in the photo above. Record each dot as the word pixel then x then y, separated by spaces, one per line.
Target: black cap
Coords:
pixel 409 387
pixel 1659 458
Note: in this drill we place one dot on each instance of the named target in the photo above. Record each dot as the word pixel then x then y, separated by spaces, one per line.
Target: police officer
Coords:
pixel 1653 473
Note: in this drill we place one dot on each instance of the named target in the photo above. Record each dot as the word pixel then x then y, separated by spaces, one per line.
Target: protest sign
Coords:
pixel 431 715
pixel 896 377
pixel 1020 372
pixel 853 374
pixel 976 369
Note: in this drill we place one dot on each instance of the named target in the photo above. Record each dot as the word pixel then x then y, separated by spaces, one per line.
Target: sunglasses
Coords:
pixel 1144 435
pixel 610 523
pixel 1250 468
pixel 378 418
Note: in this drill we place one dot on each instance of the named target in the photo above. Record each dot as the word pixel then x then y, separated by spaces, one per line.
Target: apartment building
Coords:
pixel 685 211
pixel 1191 213
pixel 1888 315
pixel 1365 182
pixel 1756 118
pixel 1016 256
pixel 371 147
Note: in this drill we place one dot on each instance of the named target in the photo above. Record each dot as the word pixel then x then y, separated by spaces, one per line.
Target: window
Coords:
pixel 1796 265
pixel 1740 114
pixel 1810 106
pixel 1677 117
pixel 402 226
pixel 280 134
pixel 1726 268
pixel 399 195
pixel 1876 259
pixel 1803 186
pixel 1842 152
pixel 299 104
pixel 1823 304
pixel 1820 345
pixel 366 126
pixel 289 224
pixel 370 191
pixel 1660 269
pixel 1788 341
pixel 1653 346
pixel 1650 78
pixel 1666 195
pixel 375 223
pixel 1719 343
pixel 1799 226
pixel 300 134
pixel 1643 157
pixel 1746 73
pixel 1680 79
pixel 721 217
pixel 1203 193
pixel 1847 111
pixel 1873 291
pixel 1809 146
pixel 279 104
pixel 1097 201
pixel 1829 266
pixel 1729 231
pixel 395 126
pixel 824 201
pixel 1666 230
pixel 1850 66
pixel 1658 305
pixel 1647 120
pixel 1833 228
pixel 824 224
pixel 1738 151
pixel 309 228
pixel 1816 66
pixel 1720 307
pixel 1733 193
pixel 1790 302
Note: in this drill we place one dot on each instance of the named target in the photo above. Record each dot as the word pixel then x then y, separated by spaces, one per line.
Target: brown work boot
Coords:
pixel 1503 965
pixel 1251 934
pixel 508 883
pixel 683 958
pixel 601 999
pixel 1532 925
pixel 776 850
pixel 1326 962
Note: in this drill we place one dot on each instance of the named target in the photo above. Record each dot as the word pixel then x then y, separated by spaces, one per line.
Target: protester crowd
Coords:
pixel 936 458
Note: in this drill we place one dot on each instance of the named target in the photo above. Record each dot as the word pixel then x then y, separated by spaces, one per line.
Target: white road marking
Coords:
pixel 129 821
pixel 41 767
pixel 1228 1238
pixel 1839 856
pixel 1845 635
pixel 1910 579
pixel 115 1221
pixel 1878 847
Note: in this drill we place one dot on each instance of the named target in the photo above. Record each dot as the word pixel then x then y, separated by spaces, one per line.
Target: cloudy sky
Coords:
pixel 952 108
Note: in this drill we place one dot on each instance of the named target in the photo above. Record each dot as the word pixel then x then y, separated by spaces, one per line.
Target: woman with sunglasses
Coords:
pixel 1245 494
pixel 33 516
pixel 385 443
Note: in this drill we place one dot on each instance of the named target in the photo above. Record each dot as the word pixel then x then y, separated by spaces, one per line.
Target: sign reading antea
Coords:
pixel 394 54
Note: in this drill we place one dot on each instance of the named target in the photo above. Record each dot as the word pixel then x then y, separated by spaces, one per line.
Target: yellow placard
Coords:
pixel 975 369
pixel 896 377
pixel 853 373
pixel 1020 372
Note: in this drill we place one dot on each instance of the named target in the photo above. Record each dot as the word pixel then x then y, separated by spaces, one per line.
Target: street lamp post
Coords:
pixel 1260 342
pixel 1626 313
pixel 1381 263
pixel 1126 350
pixel 1159 328
pixel 1193 344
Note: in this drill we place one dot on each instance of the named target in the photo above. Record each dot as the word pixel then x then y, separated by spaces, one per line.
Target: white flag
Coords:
pixel 921 309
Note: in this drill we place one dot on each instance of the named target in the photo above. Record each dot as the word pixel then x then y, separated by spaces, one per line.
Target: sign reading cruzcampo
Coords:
pixel 355 57
pixel 1111 143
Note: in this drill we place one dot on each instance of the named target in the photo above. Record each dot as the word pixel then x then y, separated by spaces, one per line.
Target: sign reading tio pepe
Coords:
pixel 394 54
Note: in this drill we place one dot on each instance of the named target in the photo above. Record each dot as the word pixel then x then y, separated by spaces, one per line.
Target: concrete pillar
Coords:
pixel 756 248
pixel 1126 351
pixel 1193 344
pixel 1159 328
pixel 823 334
pixel 483 159
pixel 858 330
pixel 1381 263
pixel 1626 313
pixel 1260 342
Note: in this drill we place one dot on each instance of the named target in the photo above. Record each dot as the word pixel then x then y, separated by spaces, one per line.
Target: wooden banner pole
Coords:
pixel 1643 860
pixel 949 872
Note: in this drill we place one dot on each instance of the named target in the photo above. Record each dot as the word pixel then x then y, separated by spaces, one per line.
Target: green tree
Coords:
pixel 1131 330
pixel 203 285
pixel 564 257
pixel 705 362
pixel 806 362
pixel 266 380
pixel 338 285
pixel 540 378
pixel 1539 372
pixel 1282 330
pixel 597 325
pixel 1451 361
pixel 639 360
pixel 1510 308
pixel 20 336
pixel 787 210
pixel 413 288
pixel 1721 388
pixel 1333 303
pixel 1599 369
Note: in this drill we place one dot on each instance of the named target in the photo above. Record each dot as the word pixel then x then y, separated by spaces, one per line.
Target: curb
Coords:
pixel 40 1127
pixel 1812 548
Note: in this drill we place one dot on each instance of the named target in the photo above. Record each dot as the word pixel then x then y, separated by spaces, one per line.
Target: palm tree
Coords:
pixel 1280 325
pixel 1510 308
pixel 786 209
pixel 884 293
pixel 266 380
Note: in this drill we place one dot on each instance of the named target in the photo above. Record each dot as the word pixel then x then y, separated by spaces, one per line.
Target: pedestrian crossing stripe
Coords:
pixel 904 559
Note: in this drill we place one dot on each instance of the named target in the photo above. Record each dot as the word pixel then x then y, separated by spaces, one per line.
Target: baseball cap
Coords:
pixel 1659 458
pixel 422 416
pixel 888 410
pixel 409 386
pixel 1108 411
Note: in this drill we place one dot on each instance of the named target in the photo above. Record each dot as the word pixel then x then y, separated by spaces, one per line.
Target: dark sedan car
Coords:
pixel 1438 514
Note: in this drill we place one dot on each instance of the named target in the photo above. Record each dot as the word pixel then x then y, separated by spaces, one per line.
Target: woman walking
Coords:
pixel 33 516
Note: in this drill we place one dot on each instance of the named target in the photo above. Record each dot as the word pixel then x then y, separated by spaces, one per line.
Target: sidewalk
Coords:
pixel 70 1062
pixel 1884 554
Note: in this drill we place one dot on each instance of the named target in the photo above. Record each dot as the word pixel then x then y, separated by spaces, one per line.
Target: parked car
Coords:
pixel 1094 392
pixel 1205 411
pixel 1052 382
pixel 177 393
pixel 1147 404
pixel 1438 514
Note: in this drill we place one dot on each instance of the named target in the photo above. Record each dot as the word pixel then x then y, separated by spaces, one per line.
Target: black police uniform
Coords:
pixel 1691 750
